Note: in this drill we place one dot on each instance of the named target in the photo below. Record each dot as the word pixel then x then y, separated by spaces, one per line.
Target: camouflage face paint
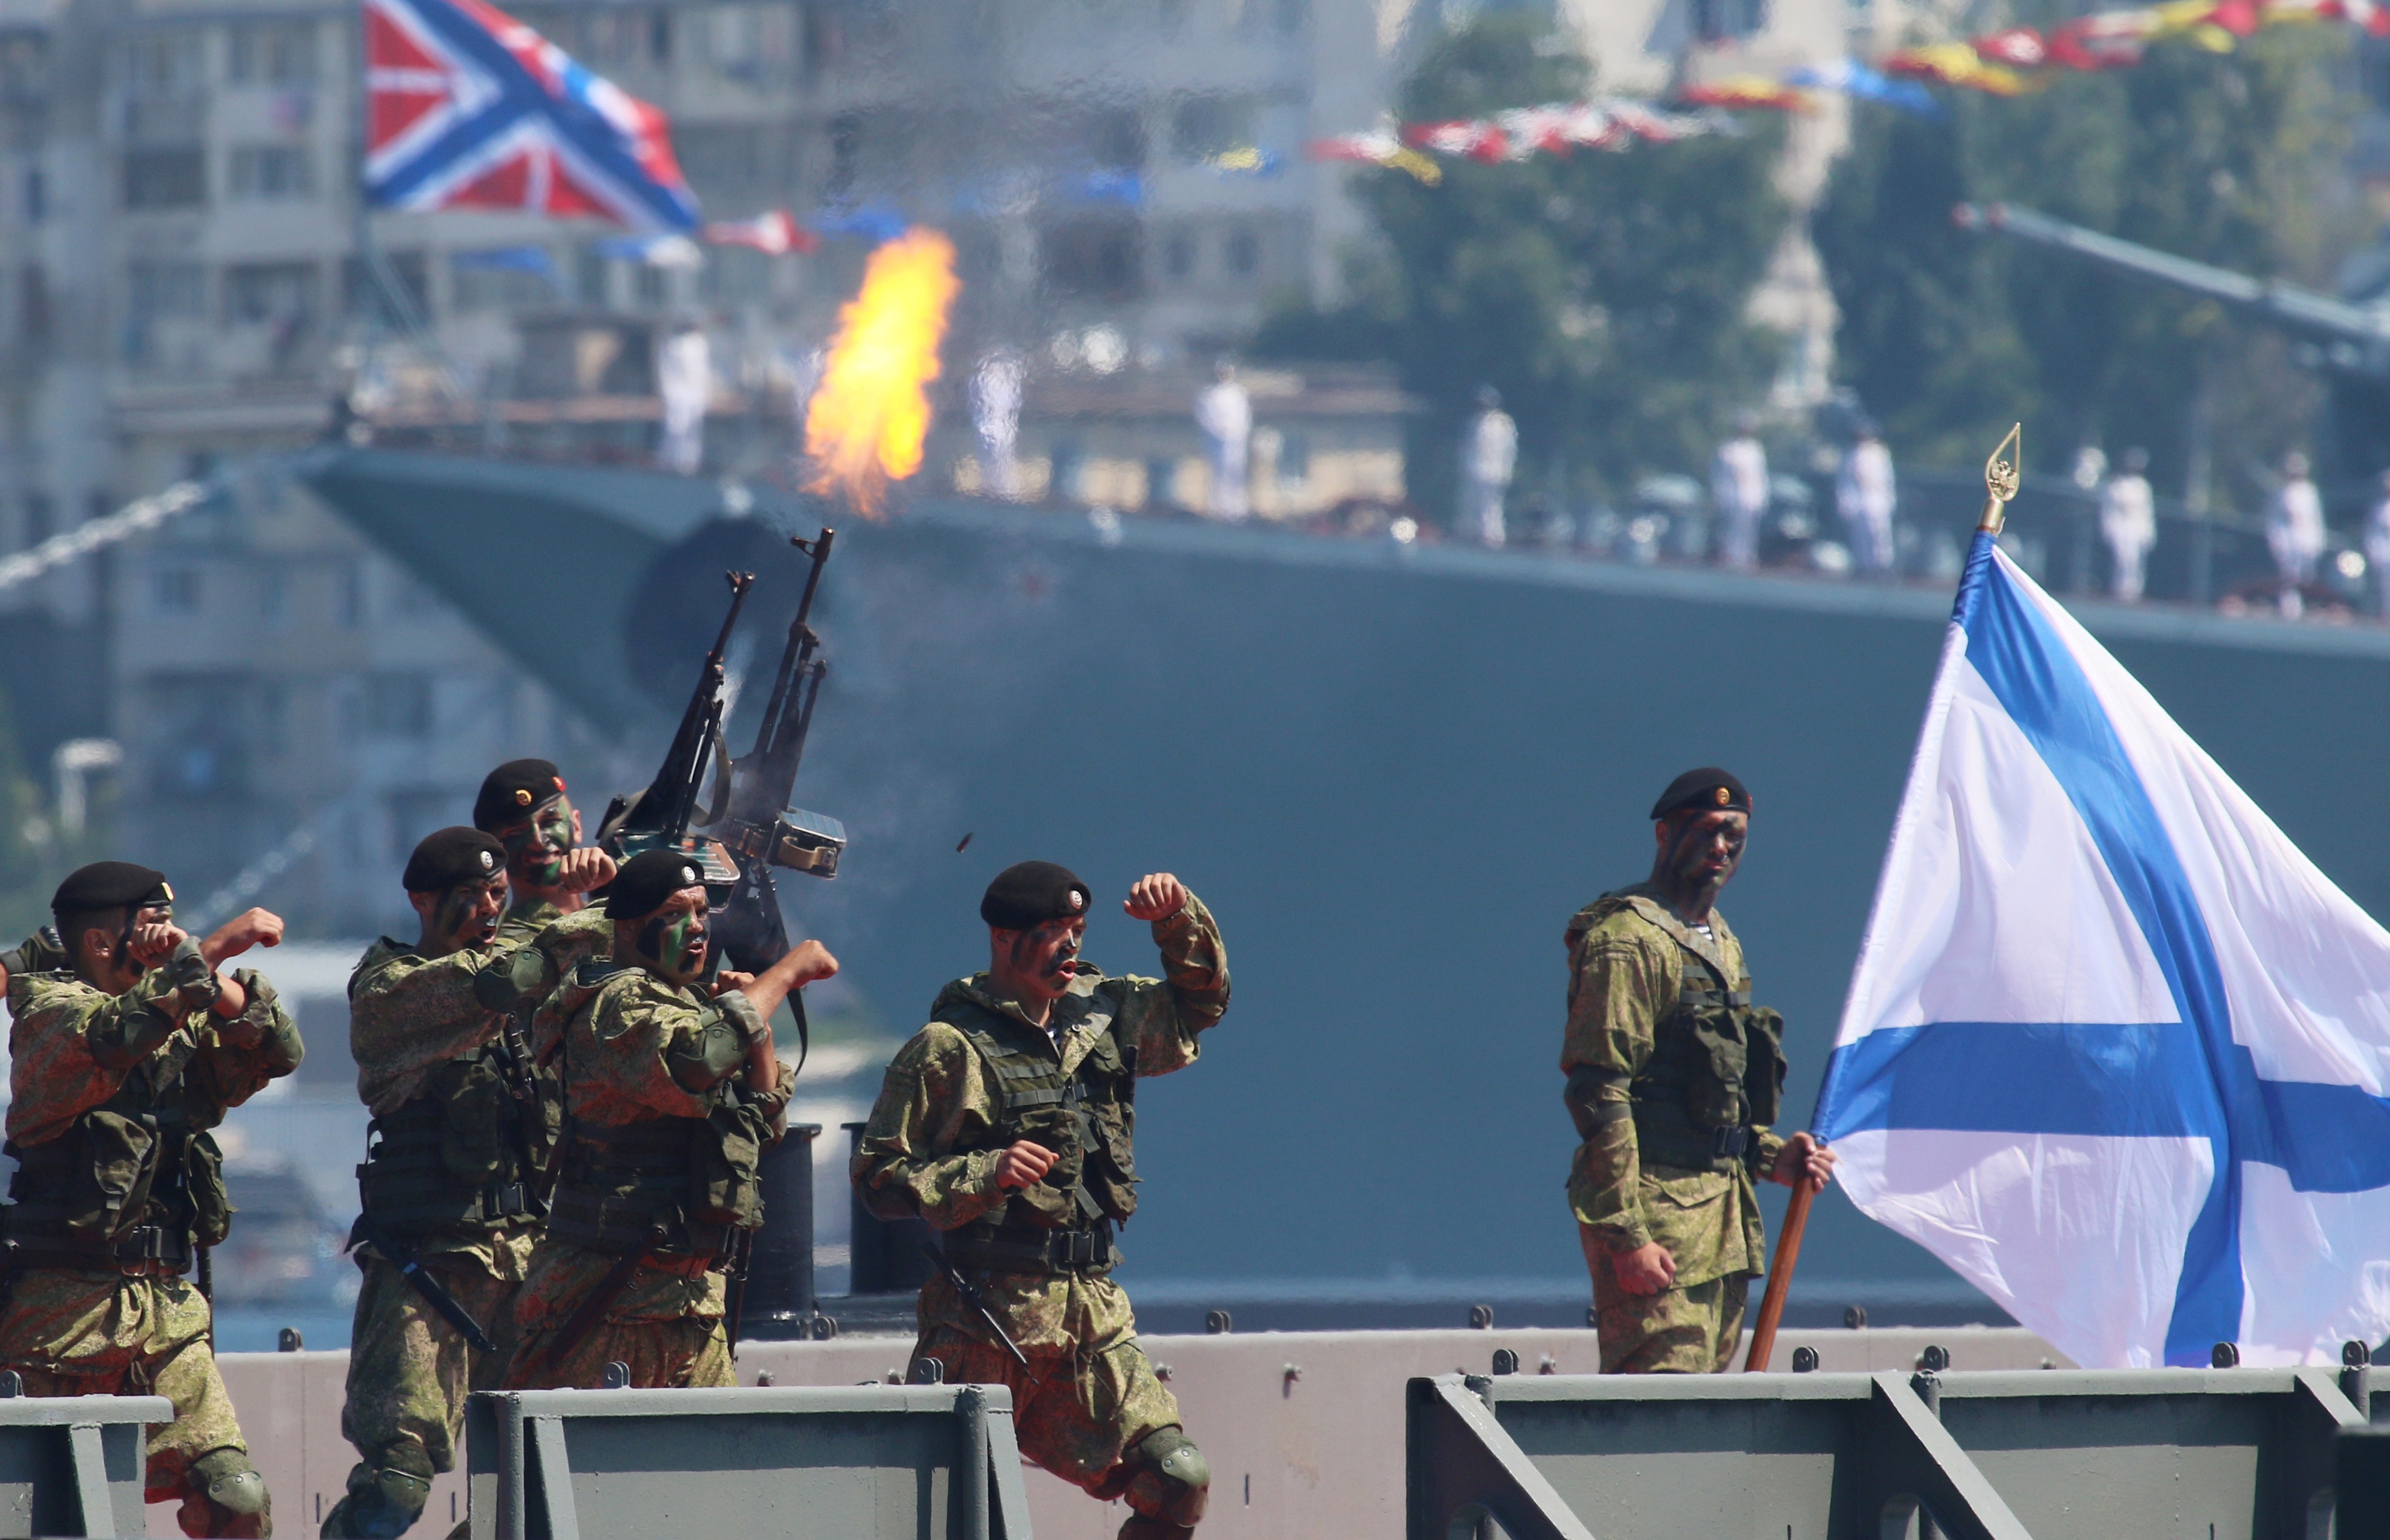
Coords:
pixel 467 913
pixel 536 846
pixel 673 944
pixel 1704 849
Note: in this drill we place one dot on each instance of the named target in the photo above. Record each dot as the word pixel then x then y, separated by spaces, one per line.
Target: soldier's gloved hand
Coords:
pixel 1156 898
pixel 1024 1165
pixel 583 869
pixel 1647 1269
pixel 1804 1161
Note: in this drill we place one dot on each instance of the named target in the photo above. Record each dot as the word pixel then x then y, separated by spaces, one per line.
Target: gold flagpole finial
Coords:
pixel 2002 473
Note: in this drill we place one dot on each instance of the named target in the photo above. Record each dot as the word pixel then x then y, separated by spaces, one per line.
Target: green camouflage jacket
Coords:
pixel 553 943
pixel 636 1047
pixel 410 1014
pixel 72 1048
pixel 936 1099
pixel 1626 973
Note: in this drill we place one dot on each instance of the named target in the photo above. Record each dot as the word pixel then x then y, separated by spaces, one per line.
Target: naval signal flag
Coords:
pixel 469 109
pixel 2113 1049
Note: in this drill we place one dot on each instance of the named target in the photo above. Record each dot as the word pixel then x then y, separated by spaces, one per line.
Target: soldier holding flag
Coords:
pixel 1673 1079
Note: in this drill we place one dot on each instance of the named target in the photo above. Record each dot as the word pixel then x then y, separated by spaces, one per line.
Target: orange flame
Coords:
pixel 866 424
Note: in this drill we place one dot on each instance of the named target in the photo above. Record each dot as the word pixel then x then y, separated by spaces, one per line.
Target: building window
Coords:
pixel 272 171
pixel 1093 259
pixel 165 63
pixel 649 286
pixel 272 53
pixel 660 36
pixel 173 178
pixel 1201 127
pixel 1245 253
pixel 276 293
pixel 175 590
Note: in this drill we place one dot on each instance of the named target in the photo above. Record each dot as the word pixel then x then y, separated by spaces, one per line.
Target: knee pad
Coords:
pixel 383 1504
pixel 228 1481
pixel 224 1495
pixel 1173 1479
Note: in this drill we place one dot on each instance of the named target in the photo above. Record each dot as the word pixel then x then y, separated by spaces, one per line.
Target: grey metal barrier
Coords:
pixel 930 1461
pixel 2240 1454
pixel 72 1465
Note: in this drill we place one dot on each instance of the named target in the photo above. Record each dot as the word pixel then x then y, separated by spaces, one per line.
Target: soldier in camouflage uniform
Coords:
pixel 461 1132
pixel 1007 1122
pixel 550 927
pixel 672 1093
pixel 122 1062
pixel 1673 1078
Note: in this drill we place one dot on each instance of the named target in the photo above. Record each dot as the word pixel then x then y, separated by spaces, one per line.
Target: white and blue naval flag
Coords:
pixel 2114 1050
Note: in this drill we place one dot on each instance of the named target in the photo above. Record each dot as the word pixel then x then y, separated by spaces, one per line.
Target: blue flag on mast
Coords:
pixel 2113 1049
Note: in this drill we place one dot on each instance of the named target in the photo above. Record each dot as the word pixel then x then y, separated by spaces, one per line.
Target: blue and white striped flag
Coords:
pixel 2114 1050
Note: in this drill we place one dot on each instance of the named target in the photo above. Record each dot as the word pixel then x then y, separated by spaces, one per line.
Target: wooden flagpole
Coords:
pixel 1779 1277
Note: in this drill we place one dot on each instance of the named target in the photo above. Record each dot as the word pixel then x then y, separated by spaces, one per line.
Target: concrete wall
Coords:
pixel 1317 1455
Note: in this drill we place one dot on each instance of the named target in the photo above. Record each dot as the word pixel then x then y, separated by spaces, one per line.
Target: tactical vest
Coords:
pixel 463 1157
pixel 1088 1118
pixel 1716 1070
pixel 131 1183
pixel 695 1180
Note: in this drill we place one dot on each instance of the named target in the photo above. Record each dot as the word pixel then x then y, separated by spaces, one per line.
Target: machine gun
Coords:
pixel 760 827
pixel 751 824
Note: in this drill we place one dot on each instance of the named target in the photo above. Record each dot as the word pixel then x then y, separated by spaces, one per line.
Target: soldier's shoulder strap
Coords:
pixel 1657 914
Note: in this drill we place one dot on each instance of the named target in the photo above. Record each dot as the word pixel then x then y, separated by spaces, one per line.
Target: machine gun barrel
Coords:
pixel 2356 337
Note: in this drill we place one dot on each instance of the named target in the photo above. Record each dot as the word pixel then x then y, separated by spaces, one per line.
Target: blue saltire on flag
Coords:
pixel 467 107
pixel 2113 1049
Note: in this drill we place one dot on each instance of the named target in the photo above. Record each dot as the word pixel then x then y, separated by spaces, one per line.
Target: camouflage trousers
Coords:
pixel 666 1327
pixel 1691 1330
pixel 409 1371
pixel 1081 1405
pixel 99 1333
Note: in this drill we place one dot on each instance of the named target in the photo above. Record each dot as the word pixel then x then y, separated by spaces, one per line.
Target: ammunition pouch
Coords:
pixel 1088 1118
pixel 1027 1249
pixel 135 1190
pixel 452 1161
pixel 693 1177
pixel 1717 1073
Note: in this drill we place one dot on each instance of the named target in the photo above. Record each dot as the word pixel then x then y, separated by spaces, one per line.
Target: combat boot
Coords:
pixel 383 1504
pixel 224 1495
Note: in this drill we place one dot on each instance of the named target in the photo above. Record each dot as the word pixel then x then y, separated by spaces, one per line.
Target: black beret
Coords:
pixel 513 789
pixel 109 885
pixel 448 856
pixel 648 878
pixel 1708 788
pixel 1026 896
